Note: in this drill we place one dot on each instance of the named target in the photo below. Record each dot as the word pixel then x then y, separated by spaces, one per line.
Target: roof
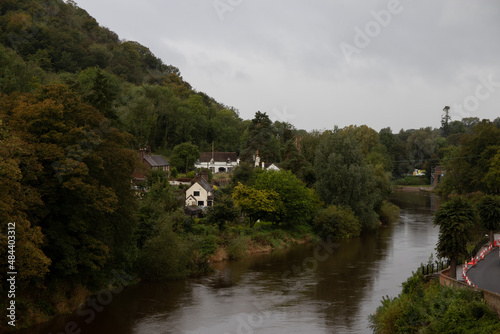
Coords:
pixel 218 156
pixel 207 186
pixel 203 183
pixel 267 165
pixel 156 160
pixel 192 209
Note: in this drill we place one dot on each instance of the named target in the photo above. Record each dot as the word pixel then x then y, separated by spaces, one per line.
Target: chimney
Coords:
pixel 148 150
pixel 204 175
pixel 141 154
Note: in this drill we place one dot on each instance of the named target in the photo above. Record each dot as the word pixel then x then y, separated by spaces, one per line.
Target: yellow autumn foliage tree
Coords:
pixel 256 203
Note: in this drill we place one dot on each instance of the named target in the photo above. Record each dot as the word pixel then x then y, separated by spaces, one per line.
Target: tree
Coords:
pixel 445 119
pixel 226 129
pixel 473 165
pixel 242 174
pixel 421 146
pixel 222 211
pixel 455 219
pixel 489 214
pixel 18 199
pixel 99 89
pixel 470 122
pixel 257 204
pixel 159 200
pixel 17 75
pixel 299 202
pixel 164 255
pixel 184 156
pixel 337 223
pixel 261 137
pixel 345 179
pixel 492 177
pixel 83 177
pixel 293 160
pixel 364 135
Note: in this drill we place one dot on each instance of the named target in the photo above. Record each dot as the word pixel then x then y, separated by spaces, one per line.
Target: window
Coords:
pixel 209 203
pixel 196 194
pixel 201 203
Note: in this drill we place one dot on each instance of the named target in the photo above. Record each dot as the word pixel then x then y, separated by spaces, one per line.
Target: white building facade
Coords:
pixel 201 194
pixel 218 162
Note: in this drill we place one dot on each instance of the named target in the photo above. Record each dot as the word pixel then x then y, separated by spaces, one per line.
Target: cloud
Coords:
pixel 285 53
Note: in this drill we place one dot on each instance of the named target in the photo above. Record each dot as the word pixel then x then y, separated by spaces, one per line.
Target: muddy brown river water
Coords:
pixel 330 288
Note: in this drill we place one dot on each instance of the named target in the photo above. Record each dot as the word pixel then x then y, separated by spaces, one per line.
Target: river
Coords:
pixel 331 288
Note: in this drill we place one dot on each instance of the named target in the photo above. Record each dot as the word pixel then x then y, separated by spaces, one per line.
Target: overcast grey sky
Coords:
pixel 322 63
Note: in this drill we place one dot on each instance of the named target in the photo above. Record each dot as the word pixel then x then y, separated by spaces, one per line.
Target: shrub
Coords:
pixel 165 256
pixel 203 229
pixel 237 248
pixel 389 212
pixel 205 245
pixel 337 222
pixel 433 308
pixel 173 172
pixel 222 211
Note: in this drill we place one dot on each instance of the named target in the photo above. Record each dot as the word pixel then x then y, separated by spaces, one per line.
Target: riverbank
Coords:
pixel 55 300
pixel 234 243
pixel 433 308
pixel 245 247
pixel 410 189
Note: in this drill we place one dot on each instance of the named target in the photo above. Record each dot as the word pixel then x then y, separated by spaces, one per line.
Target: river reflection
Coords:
pixel 302 290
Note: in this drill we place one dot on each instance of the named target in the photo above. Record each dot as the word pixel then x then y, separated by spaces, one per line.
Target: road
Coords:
pixel 486 274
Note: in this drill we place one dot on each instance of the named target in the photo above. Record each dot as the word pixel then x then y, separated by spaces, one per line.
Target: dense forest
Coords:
pixel 76 103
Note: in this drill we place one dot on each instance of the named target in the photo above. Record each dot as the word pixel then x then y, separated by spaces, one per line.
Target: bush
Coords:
pixel 165 256
pixel 337 223
pixel 222 211
pixel 389 212
pixel 205 245
pixel 433 308
pixel 237 248
pixel 173 172
pixel 203 229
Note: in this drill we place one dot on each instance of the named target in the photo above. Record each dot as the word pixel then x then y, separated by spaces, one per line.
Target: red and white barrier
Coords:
pixel 480 256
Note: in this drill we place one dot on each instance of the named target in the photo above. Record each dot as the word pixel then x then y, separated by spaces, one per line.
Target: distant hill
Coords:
pixel 54 41
pixel 61 37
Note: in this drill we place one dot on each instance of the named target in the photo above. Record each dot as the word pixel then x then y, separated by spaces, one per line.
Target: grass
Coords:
pixel 411 180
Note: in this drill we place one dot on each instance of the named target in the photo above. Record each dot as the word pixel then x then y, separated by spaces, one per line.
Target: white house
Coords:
pixel 271 167
pixel 218 162
pixel 201 193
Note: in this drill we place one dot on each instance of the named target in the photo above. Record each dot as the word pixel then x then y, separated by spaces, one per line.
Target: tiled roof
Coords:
pixel 207 186
pixel 156 160
pixel 218 156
